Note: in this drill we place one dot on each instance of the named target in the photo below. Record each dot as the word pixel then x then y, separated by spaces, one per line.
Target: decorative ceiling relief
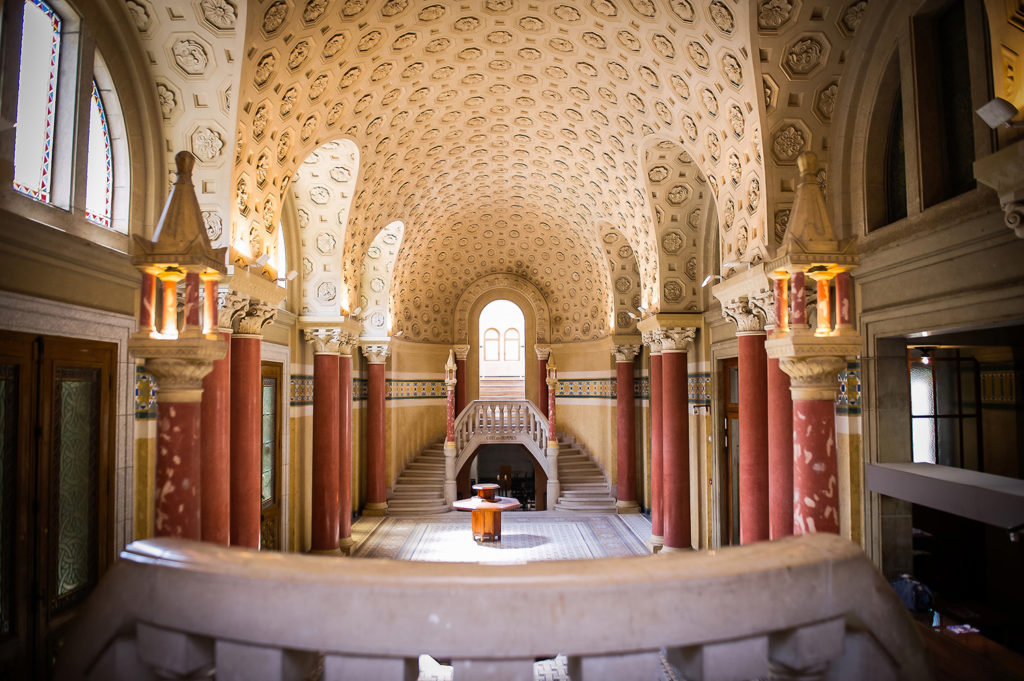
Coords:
pixel 498 124
pixel 195 51
pixel 625 275
pixel 685 220
pixel 322 191
pixel 376 307
pixel 801 81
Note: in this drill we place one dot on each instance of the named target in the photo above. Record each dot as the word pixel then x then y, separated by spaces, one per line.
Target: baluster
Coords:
pixel 340 667
pixel 256 662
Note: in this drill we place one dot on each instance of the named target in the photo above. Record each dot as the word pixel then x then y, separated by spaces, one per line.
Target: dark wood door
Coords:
pixel 270 458
pixel 57 418
pixel 729 457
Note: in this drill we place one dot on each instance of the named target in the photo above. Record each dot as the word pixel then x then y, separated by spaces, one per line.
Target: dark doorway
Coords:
pixel 729 454
pixel 56 500
pixel 512 467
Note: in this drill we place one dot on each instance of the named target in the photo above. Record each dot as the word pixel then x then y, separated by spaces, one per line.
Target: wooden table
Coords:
pixel 486 508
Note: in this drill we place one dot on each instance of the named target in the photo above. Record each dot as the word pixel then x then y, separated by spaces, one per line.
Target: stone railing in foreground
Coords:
pixel 178 609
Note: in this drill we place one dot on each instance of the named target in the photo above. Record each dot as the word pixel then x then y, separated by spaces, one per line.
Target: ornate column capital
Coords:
pixel 1004 172
pixel 813 378
pixel 179 366
pixel 376 353
pixel 676 339
pixel 255 317
pixel 230 305
pixel 764 303
pixel 326 340
pixel 347 344
pixel 461 352
pixel 625 353
pixel 747 318
pixel 652 339
pixel 543 351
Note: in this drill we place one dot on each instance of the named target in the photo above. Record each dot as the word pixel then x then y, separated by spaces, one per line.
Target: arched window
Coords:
pixel 492 345
pixel 99 181
pixel 37 100
pixel 50 161
pixel 511 345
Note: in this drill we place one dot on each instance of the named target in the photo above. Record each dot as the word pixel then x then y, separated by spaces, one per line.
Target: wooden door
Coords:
pixel 729 458
pixel 270 458
pixel 56 532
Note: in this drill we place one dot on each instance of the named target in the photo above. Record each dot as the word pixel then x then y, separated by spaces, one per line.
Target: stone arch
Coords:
pixel 466 318
pixel 625 281
pixel 321 193
pixel 375 281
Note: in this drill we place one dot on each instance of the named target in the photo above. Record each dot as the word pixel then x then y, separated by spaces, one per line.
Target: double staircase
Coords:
pixel 584 485
pixel 419 489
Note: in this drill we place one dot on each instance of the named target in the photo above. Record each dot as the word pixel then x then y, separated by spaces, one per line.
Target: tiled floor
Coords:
pixel 525 537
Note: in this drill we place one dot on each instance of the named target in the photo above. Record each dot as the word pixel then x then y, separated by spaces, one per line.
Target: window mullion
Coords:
pixel 79 154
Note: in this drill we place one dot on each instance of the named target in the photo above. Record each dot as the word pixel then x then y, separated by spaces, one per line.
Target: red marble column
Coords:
pixel 326 447
pixel 844 302
pixel 542 377
pixel 675 445
pixel 625 421
pixel 215 462
pixel 192 309
pixel 461 384
pixel 147 304
pixel 815 470
pixel 345 446
pixel 814 384
pixel 376 485
pixel 780 452
pixel 657 475
pixel 245 440
pixel 177 465
pixel 753 444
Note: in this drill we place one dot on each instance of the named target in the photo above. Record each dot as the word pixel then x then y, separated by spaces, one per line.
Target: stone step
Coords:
pixel 416 494
pixel 587 494
pixel 586 507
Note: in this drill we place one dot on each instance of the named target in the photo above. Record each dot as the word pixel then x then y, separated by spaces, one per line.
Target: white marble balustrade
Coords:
pixel 809 607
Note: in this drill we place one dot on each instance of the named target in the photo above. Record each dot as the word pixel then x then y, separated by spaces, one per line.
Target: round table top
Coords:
pixel 497 504
pixel 486 485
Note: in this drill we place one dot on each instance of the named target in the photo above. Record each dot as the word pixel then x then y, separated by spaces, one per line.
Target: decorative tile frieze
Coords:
pixel 848 402
pixel 145 394
pixel 301 390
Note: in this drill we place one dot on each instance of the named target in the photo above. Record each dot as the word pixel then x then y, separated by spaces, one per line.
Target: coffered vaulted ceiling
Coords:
pixel 511 136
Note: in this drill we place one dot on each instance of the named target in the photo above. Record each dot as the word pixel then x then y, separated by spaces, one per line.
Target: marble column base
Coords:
pixel 627 507
pixel 376 508
pixel 672 549
pixel 345 545
pixel 325 552
pixel 656 542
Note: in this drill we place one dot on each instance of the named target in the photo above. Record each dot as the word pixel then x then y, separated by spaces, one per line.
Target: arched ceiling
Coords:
pixel 501 120
pixel 522 121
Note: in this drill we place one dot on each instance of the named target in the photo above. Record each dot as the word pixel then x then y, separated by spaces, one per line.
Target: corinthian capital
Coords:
pixel 230 305
pixel 676 339
pixel 325 339
pixel 376 353
pixel 461 352
pixel 543 351
pixel 625 353
pixel 256 316
pixel 813 378
pixel 652 339
pixel 744 315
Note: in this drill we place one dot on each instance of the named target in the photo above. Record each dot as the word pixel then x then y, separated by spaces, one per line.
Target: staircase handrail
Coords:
pixel 502 421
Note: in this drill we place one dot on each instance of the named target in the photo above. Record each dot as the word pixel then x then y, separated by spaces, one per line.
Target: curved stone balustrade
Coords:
pixel 502 421
pixel 804 607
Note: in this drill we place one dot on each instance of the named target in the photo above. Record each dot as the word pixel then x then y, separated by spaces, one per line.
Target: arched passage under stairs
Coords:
pixel 511 466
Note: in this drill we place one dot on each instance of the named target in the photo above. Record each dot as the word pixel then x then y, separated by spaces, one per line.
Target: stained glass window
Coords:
pixel 37 97
pixel 99 177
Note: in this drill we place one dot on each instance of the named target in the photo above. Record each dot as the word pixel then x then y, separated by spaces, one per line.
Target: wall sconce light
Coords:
pixel 999 112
